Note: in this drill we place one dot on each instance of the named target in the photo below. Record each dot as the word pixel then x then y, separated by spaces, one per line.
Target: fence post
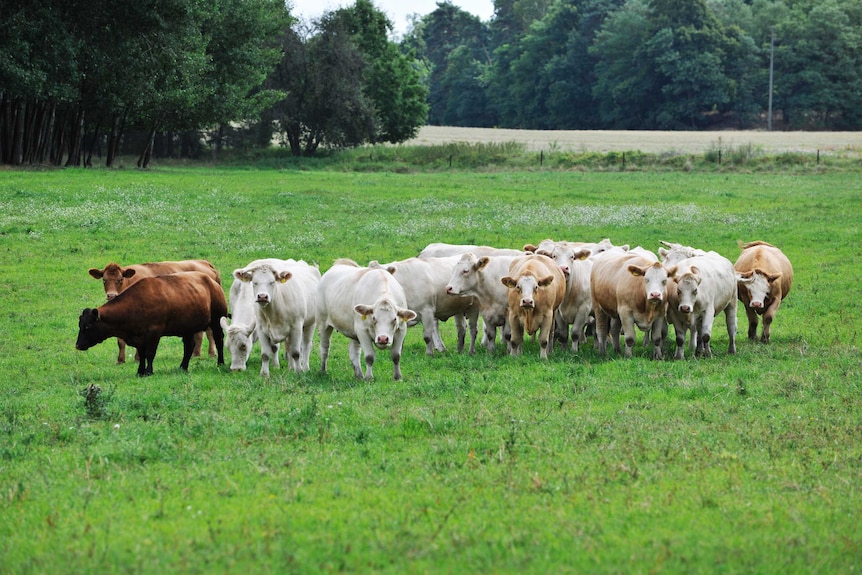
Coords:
pixel 541 158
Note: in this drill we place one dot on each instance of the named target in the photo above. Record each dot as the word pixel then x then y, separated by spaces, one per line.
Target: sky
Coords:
pixel 397 10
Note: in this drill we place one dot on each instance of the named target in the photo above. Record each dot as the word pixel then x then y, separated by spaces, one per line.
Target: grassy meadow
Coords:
pixel 472 464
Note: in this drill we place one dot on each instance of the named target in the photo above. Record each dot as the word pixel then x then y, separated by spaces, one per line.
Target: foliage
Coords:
pixel 746 463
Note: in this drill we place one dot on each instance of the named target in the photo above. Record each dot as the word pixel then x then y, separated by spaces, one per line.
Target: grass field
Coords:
pixel 472 464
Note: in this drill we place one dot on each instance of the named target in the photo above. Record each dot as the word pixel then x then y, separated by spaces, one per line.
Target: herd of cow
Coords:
pixel 554 291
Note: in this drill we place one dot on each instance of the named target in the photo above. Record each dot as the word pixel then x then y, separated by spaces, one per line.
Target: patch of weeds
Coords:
pixel 96 402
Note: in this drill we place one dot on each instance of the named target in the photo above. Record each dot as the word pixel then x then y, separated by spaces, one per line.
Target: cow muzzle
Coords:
pixel 656 297
pixel 527 303
pixel 757 304
pixel 382 341
pixel 685 309
pixel 262 299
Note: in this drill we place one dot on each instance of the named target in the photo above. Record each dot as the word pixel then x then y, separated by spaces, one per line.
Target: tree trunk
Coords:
pixel 18 134
pixel 76 137
pixel 147 153
pixel 114 139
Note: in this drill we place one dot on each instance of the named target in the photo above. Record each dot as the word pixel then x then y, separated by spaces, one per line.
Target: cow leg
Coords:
pixel 546 336
pixel 561 328
pixel 489 336
pixel 473 324
pixel 768 316
pixel 189 344
pixel 307 339
pixel 461 330
pixel 603 322
pixel 752 322
pixel 616 329
pixel 267 350
pixel 679 331
pixel 704 331
pixel 516 339
pixel 325 339
pixel 121 351
pixel 658 332
pixel 198 341
pixel 627 326
pixel 365 350
pixel 146 354
pixel 395 353
pixel 428 325
pixel 730 319
pixel 216 337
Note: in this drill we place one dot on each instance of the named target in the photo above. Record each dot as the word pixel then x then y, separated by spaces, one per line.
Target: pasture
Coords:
pixel 749 463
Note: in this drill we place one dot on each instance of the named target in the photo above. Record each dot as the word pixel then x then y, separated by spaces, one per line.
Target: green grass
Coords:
pixel 739 464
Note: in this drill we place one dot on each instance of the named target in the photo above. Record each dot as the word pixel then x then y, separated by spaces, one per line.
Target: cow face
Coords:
pixel 565 257
pixel 90 330
pixel 238 340
pixel 465 275
pixel 655 279
pixel 264 280
pixel 113 278
pixel 758 285
pixel 527 287
pixel 382 321
pixel 686 289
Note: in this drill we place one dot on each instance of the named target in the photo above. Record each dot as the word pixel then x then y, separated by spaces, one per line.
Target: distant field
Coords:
pixel 645 141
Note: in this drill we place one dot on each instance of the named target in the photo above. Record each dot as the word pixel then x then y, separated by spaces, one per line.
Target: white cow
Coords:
pixel 285 292
pixel 672 253
pixel 424 281
pixel 702 287
pixel 595 248
pixel 481 277
pixel 576 264
pixel 368 306
pixel 630 288
pixel 240 330
pixel 441 250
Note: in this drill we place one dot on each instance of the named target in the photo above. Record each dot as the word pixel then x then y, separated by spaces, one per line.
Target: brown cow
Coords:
pixel 536 288
pixel 764 276
pixel 631 289
pixel 116 278
pixel 180 304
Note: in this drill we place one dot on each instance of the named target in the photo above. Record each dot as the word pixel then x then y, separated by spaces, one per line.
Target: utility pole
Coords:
pixel 771 58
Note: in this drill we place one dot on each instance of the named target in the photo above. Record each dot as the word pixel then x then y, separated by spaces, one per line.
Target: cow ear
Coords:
pixel 223 322
pixel 744 277
pixel 363 310
pixel 284 276
pixel 406 314
pixel 663 253
pixel 508 281
pixel 546 281
pixel 96 273
pixel 391 270
pixel 773 278
pixel 239 274
pixel 582 254
pixel 530 248
pixel 635 270
pixel 127 273
pixel 694 270
pixel 481 262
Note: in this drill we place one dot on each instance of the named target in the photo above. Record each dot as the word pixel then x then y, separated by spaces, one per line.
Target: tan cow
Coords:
pixel 764 277
pixel 116 278
pixel 632 289
pixel 536 288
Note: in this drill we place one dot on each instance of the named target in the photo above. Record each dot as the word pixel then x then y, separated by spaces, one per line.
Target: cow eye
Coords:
pixel 535 289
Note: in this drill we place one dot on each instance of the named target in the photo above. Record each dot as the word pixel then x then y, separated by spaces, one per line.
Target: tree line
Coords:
pixel 645 64
pixel 179 78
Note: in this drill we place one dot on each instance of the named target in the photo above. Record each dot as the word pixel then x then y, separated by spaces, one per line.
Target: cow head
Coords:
pixel 263 280
pixel 527 287
pixel 655 279
pixel 113 277
pixel 759 285
pixel 382 321
pixel 238 341
pixel 90 330
pixel 465 275
pixel 686 289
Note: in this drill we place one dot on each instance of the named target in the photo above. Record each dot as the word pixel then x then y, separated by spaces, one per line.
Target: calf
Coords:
pixel 536 288
pixel 764 276
pixel 285 297
pixel 368 306
pixel 480 277
pixel 116 278
pixel 240 330
pixel 631 289
pixel 702 287
pixel 424 281
pixel 180 304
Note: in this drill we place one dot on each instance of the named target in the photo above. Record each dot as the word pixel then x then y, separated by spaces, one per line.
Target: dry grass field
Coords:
pixel 645 141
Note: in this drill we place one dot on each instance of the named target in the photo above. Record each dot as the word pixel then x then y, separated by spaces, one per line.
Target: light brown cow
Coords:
pixel 536 288
pixel 764 276
pixel 116 278
pixel 632 289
